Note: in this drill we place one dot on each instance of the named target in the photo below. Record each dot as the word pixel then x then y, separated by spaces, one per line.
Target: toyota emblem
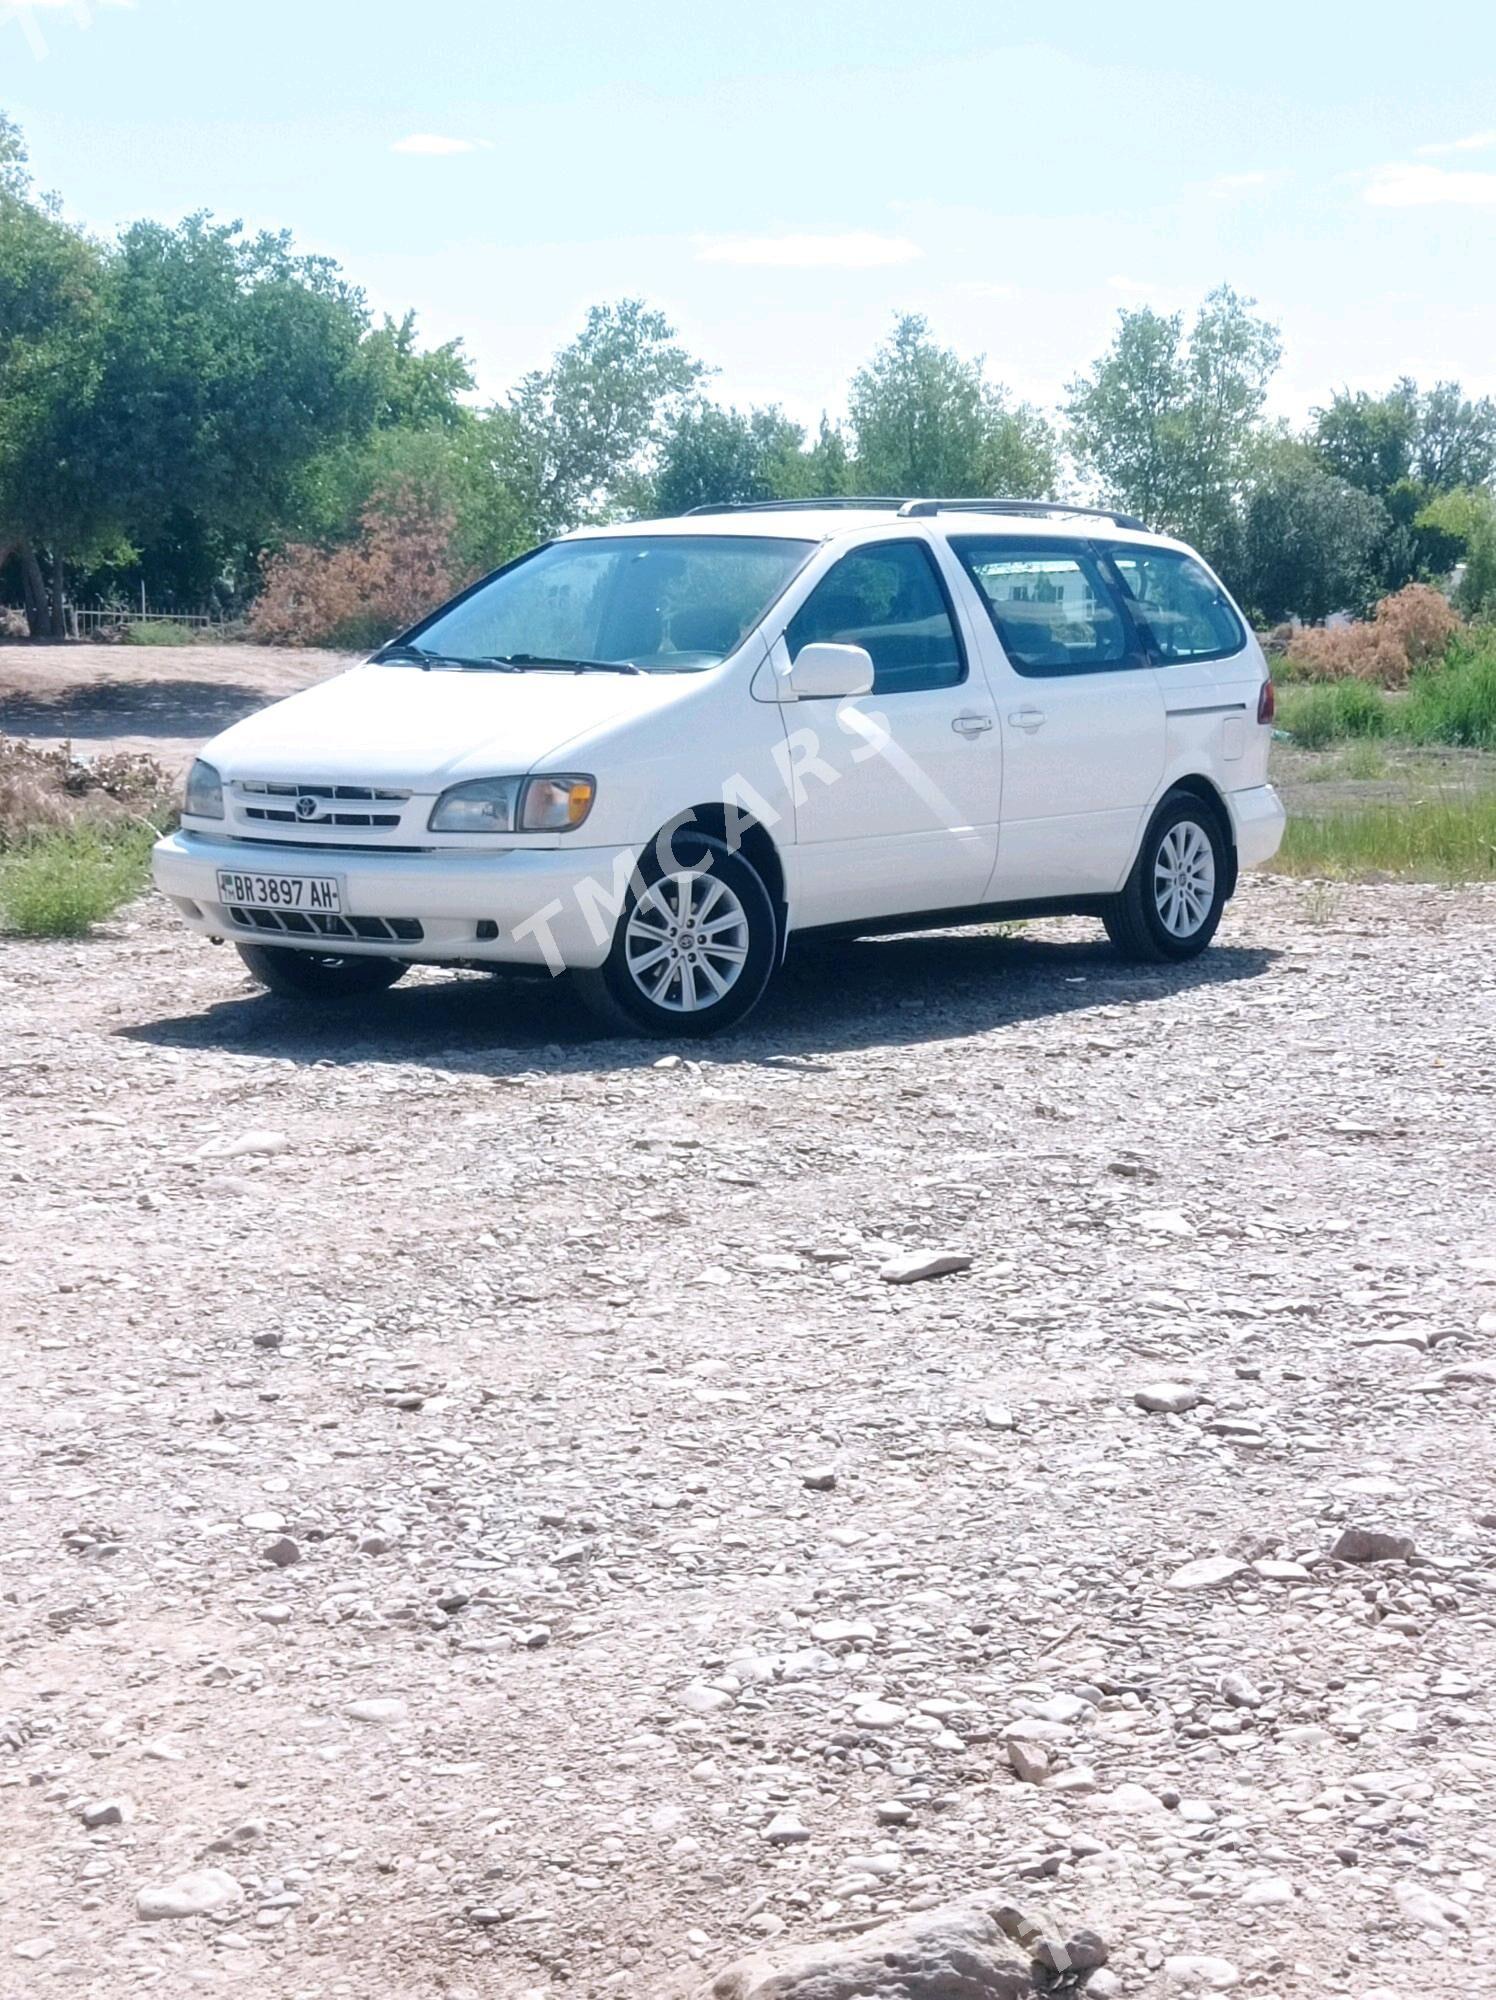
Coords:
pixel 306 807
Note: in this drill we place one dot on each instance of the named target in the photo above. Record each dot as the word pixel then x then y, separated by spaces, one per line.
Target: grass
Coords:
pixel 166 632
pixel 63 880
pixel 1443 839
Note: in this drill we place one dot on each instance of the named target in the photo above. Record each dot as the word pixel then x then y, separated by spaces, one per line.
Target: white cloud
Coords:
pixel 1478 142
pixel 857 250
pixel 1406 184
pixel 436 145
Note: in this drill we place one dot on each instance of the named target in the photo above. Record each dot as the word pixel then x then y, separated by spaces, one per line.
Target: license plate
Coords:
pixel 312 893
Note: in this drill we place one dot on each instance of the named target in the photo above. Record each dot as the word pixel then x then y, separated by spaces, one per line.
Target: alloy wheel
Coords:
pixel 1184 875
pixel 686 942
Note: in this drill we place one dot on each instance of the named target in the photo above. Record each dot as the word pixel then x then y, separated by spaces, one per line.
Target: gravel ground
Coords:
pixel 476 1512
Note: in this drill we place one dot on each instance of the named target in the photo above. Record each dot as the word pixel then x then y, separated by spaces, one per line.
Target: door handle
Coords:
pixel 1027 718
pixel 970 724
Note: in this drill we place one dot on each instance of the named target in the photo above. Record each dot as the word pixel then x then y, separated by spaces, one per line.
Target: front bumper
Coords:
pixel 1258 820
pixel 555 907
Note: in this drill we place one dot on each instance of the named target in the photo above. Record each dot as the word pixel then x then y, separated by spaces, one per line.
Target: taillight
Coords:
pixel 1267 703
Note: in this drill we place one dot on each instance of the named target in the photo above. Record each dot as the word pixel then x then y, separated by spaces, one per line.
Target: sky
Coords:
pixel 782 176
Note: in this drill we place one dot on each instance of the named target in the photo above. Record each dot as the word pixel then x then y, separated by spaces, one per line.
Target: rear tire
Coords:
pixel 316 975
pixel 1171 906
pixel 696 944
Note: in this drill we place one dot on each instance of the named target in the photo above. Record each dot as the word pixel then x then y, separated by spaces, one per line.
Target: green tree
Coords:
pixel 1409 447
pixel 926 422
pixel 51 281
pixel 1167 423
pixel 1309 543
pixel 713 456
pixel 576 441
pixel 1466 518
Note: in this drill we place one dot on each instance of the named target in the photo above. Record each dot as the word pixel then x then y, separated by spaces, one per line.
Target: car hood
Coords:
pixel 419 731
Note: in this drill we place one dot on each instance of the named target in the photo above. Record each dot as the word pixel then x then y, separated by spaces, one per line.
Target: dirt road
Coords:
pixel 161 700
pixel 474 1509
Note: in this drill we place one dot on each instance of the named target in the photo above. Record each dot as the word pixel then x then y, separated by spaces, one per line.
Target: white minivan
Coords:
pixel 651 755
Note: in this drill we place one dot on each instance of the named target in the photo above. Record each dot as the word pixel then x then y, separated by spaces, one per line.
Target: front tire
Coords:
pixel 696 944
pixel 316 975
pixel 1172 903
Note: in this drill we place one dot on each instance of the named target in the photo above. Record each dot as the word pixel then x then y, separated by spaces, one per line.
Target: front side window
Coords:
pixel 1052 606
pixel 1179 607
pixel 888 599
pixel 663 603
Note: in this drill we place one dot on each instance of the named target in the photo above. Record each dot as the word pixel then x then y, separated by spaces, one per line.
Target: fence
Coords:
pixel 112 618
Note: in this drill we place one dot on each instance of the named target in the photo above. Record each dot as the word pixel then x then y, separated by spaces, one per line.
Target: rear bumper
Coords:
pixel 1258 820
pixel 555 907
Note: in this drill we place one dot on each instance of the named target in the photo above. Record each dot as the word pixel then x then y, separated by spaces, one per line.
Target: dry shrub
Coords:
pixel 1407 630
pixel 44 790
pixel 401 566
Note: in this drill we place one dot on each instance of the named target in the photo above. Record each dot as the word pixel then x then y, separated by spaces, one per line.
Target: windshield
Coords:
pixel 659 603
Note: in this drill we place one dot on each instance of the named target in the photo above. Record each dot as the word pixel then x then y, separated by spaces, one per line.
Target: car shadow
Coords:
pixel 868 993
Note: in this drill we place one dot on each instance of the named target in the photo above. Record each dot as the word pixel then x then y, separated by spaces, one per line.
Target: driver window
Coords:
pixel 887 599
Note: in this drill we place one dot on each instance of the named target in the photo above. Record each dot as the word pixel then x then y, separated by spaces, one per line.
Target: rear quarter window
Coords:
pixel 1180 610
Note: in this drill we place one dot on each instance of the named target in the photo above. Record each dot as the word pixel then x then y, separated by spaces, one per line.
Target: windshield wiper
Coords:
pixel 576 666
pixel 419 657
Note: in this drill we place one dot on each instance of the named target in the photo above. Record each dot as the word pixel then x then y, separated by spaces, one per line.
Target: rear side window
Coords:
pixel 1054 608
pixel 1177 606
pixel 889 599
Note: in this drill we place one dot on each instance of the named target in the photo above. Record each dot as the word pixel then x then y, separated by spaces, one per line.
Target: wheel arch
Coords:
pixel 753 840
pixel 1194 784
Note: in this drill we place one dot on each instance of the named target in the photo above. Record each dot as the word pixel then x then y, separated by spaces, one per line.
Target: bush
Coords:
pixel 1406 631
pixel 166 632
pixel 1454 704
pixel 60 882
pixel 358 596
pixel 1317 716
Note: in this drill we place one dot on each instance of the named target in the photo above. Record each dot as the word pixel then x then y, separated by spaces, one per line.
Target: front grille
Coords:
pixel 322 819
pixel 321 923
pixel 338 805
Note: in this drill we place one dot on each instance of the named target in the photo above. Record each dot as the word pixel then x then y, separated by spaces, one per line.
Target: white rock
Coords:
pixel 878 1715
pixel 1174 1398
pixel 1164 1222
pixel 377 1708
pixel 1206 1573
pixel 1201 1973
pixel 704 1700
pixel 238 1145
pixel 1029 1760
pixel 198 1894
pixel 1128 1798
pixel 1427 1908
pixel 1267 1891
pixel 916 1264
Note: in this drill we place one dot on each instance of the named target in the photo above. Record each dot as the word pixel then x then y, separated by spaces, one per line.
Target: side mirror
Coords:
pixel 824 672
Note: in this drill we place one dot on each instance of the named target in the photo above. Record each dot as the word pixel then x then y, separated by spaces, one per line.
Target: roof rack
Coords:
pixel 799 506
pixel 918 509
pixel 914 508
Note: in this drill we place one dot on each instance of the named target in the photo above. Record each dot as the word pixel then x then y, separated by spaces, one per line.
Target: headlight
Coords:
pixel 485 805
pixel 203 798
pixel 513 805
